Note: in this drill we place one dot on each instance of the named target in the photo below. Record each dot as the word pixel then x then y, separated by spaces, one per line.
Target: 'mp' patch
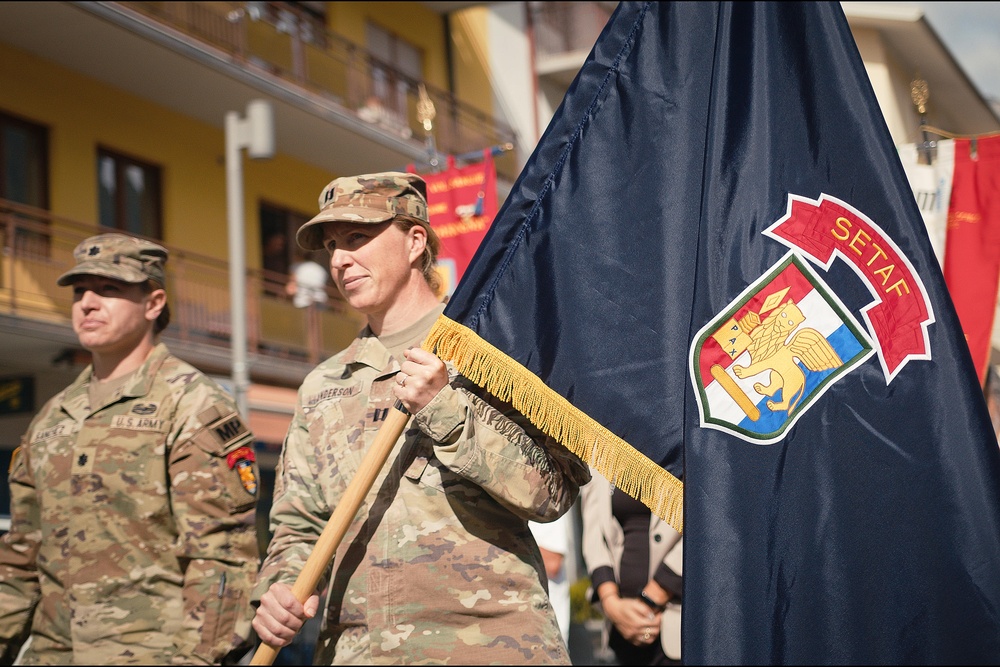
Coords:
pixel 229 429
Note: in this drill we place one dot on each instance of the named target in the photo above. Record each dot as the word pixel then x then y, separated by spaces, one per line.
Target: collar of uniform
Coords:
pixel 142 380
pixel 76 402
pixel 367 349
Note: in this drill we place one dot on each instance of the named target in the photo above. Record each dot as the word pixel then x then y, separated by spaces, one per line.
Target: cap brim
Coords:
pixel 114 271
pixel 310 235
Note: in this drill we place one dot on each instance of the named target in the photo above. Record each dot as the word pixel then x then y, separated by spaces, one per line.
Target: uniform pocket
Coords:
pixel 416 469
pixel 221 617
pixel 423 469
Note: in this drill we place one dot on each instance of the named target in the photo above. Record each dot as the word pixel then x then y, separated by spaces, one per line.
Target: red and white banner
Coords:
pixel 461 204
pixel 931 184
pixel 964 180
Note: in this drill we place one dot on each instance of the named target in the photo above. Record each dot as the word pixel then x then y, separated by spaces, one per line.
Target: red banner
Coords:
pixel 461 204
pixel 972 243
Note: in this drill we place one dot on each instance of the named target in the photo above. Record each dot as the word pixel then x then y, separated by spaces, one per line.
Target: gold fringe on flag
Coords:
pixel 627 468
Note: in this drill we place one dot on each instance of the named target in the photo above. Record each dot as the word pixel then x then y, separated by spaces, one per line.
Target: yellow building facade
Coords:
pixel 111 117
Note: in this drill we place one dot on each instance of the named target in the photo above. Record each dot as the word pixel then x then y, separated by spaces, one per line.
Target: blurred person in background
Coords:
pixel 635 562
pixel 553 540
pixel 307 282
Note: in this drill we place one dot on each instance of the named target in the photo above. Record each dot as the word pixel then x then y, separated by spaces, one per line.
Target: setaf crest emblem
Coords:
pixel 760 364
pixel 773 352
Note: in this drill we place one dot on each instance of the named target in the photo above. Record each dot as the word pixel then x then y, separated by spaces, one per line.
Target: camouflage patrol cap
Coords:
pixel 118 256
pixel 367 199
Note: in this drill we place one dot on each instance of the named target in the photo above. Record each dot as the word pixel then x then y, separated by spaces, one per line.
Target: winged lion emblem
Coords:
pixel 771 350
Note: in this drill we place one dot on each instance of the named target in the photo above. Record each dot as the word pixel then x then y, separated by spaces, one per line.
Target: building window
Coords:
pixel 24 179
pixel 396 65
pixel 314 10
pixel 312 23
pixel 24 162
pixel 304 20
pixel 278 248
pixel 128 194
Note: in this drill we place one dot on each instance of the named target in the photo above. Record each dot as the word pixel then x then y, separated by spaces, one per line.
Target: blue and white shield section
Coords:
pixel 773 352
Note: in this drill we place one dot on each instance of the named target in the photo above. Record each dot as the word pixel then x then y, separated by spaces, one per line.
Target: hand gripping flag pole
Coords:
pixel 341 517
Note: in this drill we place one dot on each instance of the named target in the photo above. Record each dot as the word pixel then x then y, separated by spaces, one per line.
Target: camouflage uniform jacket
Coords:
pixel 127 518
pixel 439 564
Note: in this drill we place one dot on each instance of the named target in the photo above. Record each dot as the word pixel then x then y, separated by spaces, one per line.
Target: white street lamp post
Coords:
pixel 255 132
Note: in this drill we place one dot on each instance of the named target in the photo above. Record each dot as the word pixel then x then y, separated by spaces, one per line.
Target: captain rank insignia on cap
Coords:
pixel 242 460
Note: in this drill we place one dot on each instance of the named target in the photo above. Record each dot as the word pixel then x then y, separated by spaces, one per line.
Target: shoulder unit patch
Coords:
pixel 241 460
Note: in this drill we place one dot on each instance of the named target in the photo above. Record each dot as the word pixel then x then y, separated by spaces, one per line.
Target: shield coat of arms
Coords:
pixel 760 364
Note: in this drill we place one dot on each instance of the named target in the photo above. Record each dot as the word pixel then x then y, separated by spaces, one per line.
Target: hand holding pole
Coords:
pixel 343 514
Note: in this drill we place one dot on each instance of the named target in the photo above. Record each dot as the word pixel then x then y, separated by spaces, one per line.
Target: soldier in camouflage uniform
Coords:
pixel 439 564
pixel 133 492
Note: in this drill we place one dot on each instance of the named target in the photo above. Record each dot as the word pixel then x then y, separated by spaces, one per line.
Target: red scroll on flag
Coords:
pixel 899 317
pixel 461 204
pixel 972 243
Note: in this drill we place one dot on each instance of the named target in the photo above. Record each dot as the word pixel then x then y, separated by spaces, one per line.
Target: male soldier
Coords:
pixel 439 565
pixel 133 492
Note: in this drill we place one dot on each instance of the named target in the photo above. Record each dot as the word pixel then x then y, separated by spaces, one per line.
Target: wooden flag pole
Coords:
pixel 343 514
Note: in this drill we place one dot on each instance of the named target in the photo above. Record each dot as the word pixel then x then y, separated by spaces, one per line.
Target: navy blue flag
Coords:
pixel 711 282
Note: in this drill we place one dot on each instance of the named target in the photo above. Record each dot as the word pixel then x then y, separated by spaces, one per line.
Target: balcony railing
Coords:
pixel 37 247
pixel 286 42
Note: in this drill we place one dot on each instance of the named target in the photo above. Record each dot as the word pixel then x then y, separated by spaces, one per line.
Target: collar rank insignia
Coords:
pixel 764 360
pixel 242 460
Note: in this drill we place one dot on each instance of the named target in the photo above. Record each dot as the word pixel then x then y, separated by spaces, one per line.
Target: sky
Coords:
pixel 971 32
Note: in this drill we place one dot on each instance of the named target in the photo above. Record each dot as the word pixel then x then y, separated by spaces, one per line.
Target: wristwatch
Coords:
pixel 659 608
